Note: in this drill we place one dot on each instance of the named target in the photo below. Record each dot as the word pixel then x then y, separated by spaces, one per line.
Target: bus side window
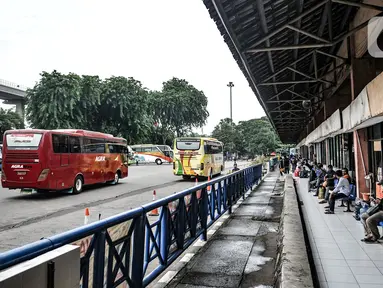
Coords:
pixel 100 148
pixel 206 148
pixel 111 148
pixel 63 143
pixel 56 143
pixel 85 145
pixel 74 144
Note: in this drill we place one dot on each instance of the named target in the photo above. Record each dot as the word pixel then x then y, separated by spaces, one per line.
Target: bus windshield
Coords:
pixel 23 141
pixel 188 144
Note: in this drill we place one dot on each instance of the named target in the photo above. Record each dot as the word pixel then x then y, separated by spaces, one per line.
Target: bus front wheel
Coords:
pixel 78 184
pixel 117 177
pixel 158 161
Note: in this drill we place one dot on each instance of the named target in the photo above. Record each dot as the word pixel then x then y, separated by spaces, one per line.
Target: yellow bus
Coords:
pixel 198 157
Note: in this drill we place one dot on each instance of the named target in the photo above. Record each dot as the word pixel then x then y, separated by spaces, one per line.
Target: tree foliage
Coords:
pixel 227 132
pixel 9 120
pixel 252 137
pixel 117 105
pixel 179 107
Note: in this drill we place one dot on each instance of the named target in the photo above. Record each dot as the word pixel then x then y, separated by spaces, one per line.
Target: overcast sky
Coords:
pixel 150 40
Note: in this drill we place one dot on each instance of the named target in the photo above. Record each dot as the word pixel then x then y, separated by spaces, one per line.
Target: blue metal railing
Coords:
pixel 121 248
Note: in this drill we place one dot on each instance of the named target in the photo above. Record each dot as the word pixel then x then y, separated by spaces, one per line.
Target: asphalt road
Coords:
pixel 27 218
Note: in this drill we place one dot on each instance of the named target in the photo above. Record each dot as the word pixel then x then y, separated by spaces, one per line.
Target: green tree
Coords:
pixel 226 132
pixel 90 101
pixel 252 137
pixel 118 105
pixel 124 105
pixel 179 107
pixel 258 136
pixel 9 120
pixel 54 102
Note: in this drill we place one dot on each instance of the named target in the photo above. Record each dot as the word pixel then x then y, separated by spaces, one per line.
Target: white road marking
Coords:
pixel 199 243
pixel 168 277
pixel 187 257
pixel 211 232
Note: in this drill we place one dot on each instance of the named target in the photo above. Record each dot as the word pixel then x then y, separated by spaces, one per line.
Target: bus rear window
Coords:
pixel 188 144
pixel 23 141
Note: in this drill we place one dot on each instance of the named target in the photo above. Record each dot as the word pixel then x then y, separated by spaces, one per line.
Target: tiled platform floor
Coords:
pixel 341 258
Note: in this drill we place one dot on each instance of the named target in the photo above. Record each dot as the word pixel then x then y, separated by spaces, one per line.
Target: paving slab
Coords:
pixel 251 210
pixel 240 226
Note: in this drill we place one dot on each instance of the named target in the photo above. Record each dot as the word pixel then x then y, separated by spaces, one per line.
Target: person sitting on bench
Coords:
pixel 342 190
pixel 328 183
pixel 371 222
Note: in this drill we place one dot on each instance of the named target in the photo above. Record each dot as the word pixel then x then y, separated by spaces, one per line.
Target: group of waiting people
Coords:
pixel 325 179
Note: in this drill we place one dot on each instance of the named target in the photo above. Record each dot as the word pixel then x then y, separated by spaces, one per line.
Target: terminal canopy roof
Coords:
pixel 288 51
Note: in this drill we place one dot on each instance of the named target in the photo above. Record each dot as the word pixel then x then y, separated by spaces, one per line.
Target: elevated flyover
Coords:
pixel 13 94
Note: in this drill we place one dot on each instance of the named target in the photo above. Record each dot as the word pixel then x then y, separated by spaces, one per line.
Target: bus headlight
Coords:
pixel 3 177
pixel 43 175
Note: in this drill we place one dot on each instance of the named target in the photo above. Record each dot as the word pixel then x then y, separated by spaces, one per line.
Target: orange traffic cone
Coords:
pixel 208 187
pixel 87 215
pixel 154 212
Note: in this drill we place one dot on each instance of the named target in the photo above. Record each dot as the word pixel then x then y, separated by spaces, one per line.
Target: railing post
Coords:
pixel 193 214
pixel 181 223
pixel 164 244
pixel 204 212
pixel 224 194
pixel 243 185
pixel 138 251
pixel 219 198
pixel 235 188
pixel 99 260
pixel 212 202
pixel 229 195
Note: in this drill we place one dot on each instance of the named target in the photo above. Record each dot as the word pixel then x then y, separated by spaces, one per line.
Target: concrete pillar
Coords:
pixel 20 108
pixel 363 71
pixel 361 160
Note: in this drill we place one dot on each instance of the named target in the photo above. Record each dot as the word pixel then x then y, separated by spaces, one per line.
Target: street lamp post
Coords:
pixel 231 85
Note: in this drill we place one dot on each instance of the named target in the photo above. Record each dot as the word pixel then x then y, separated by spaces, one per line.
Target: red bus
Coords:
pixel 55 160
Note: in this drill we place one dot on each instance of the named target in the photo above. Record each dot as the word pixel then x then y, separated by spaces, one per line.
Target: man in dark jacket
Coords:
pixel 287 165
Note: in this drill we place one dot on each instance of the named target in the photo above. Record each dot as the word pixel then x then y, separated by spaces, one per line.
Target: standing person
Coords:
pixel 282 165
pixel 235 167
pixel 342 190
pixel 287 165
pixel 293 164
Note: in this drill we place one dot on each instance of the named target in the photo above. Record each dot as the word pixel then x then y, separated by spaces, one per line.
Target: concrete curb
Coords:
pixel 293 265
